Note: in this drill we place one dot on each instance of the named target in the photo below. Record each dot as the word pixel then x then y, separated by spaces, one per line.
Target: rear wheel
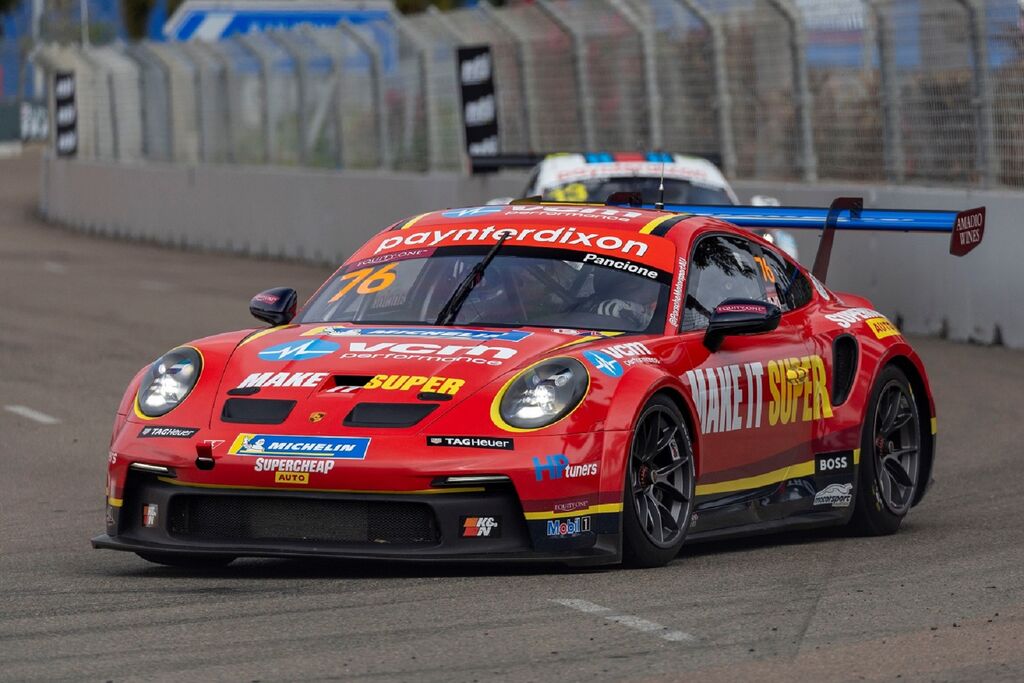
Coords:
pixel 658 497
pixel 890 460
pixel 188 561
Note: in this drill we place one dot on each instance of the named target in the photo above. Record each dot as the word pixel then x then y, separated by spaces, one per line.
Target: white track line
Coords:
pixel 627 620
pixel 34 415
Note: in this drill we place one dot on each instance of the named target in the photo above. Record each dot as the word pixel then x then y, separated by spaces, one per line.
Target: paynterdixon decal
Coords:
pixel 570 237
pixel 348 447
pixel 796 388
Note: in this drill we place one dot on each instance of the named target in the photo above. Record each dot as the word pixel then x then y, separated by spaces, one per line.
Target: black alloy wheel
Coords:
pixel 660 485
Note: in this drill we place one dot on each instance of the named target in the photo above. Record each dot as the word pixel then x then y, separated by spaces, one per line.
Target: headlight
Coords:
pixel 544 393
pixel 168 381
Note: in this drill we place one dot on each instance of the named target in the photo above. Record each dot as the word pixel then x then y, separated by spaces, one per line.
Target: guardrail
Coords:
pixel 925 92
pixel 322 217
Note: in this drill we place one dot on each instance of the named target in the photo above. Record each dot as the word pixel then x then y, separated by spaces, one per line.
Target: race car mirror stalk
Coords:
pixel 740 316
pixel 275 306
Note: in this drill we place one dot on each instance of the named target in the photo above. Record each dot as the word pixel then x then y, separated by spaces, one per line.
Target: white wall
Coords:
pixel 324 216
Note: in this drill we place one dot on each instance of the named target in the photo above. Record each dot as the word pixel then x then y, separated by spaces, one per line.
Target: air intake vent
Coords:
pixel 257 411
pixel 262 519
pixel 844 368
pixel 388 415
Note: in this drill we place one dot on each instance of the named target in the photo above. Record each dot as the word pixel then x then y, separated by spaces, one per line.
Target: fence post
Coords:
pixel 645 30
pixel 986 162
pixel 457 39
pixel 586 97
pixel 525 72
pixel 386 158
pixel 427 93
pixel 723 100
pixel 801 83
pixel 892 132
pixel 302 83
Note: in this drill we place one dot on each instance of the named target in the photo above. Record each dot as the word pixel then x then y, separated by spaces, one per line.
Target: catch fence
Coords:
pixel 899 91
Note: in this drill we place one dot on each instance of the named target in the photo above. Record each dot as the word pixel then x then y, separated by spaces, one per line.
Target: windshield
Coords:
pixel 542 287
pixel 676 191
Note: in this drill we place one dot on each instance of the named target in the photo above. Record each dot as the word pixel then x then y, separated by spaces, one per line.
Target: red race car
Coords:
pixel 585 384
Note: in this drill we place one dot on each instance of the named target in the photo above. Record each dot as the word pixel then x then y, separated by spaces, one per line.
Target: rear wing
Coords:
pixel 965 228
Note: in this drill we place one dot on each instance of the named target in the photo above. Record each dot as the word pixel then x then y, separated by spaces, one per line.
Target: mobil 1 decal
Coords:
pixel 759 394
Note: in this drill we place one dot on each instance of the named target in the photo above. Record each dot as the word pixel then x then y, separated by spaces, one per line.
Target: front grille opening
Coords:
pixel 260 411
pixel 388 415
pixel 263 519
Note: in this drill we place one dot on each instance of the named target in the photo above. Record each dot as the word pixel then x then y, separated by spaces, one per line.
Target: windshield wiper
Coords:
pixel 450 311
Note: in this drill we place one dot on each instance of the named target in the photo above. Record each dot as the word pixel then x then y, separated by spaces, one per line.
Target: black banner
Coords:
pixel 479 105
pixel 65 113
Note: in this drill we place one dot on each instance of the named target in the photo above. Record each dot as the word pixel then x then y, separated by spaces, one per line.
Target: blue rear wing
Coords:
pixel 966 228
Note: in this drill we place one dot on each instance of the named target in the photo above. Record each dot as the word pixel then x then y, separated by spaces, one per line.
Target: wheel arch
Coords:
pixel 926 416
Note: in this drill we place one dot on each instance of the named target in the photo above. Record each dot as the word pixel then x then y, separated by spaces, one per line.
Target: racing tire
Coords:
pixel 199 562
pixel 659 486
pixel 890 457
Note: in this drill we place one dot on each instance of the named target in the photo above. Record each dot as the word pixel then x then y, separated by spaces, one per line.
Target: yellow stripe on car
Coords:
pixel 803 469
pixel 592 510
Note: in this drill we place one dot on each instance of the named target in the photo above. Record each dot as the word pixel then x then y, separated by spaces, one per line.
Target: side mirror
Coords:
pixel 275 306
pixel 740 316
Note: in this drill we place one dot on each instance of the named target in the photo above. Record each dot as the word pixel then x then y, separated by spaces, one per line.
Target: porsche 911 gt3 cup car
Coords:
pixel 574 177
pixel 565 382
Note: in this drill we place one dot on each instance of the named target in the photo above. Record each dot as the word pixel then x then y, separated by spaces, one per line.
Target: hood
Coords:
pixel 396 375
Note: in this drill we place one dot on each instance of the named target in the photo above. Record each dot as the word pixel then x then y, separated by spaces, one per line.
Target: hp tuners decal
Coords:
pixel 557 466
pixel 604 363
pixel 348 447
pixel 313 348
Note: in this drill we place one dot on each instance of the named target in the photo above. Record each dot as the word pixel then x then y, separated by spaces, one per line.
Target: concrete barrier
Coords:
pixel 322 216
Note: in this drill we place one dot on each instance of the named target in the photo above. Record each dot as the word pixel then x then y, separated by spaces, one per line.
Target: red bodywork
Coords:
pixel 761 427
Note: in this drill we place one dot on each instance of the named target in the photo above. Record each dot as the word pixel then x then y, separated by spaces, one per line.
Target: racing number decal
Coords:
pixel 766 272
pixel 366 279
pixel 573 192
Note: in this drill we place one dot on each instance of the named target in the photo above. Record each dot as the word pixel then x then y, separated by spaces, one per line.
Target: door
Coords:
pixel 756 397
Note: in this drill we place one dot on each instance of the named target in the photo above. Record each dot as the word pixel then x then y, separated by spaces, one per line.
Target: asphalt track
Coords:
pixel 941 600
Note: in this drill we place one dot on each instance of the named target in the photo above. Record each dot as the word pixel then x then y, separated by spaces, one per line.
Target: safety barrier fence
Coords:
pixel 897 91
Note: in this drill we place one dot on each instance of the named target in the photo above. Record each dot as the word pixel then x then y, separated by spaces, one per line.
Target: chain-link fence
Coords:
pixel 902 91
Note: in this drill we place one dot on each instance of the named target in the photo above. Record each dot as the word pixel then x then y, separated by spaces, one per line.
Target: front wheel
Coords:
pixel 890 456
pixel 659 488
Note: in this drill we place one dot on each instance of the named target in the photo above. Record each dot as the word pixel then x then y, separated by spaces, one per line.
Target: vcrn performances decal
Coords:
pixel 151 431
pixel 451 353
pixel 293 351
pixel 499 443
pixel 797 390
pixel 347 447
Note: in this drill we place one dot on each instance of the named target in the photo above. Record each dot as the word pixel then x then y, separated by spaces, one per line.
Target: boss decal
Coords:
pixel 832 463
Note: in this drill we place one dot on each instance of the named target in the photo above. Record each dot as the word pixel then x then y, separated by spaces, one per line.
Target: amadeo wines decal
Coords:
pixel 732 397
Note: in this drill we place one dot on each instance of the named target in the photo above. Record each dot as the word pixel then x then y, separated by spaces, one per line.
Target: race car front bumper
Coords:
pixel 488 524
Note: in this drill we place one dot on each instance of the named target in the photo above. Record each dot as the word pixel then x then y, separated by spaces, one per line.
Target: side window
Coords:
pixel 722 268
pixel 791 286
